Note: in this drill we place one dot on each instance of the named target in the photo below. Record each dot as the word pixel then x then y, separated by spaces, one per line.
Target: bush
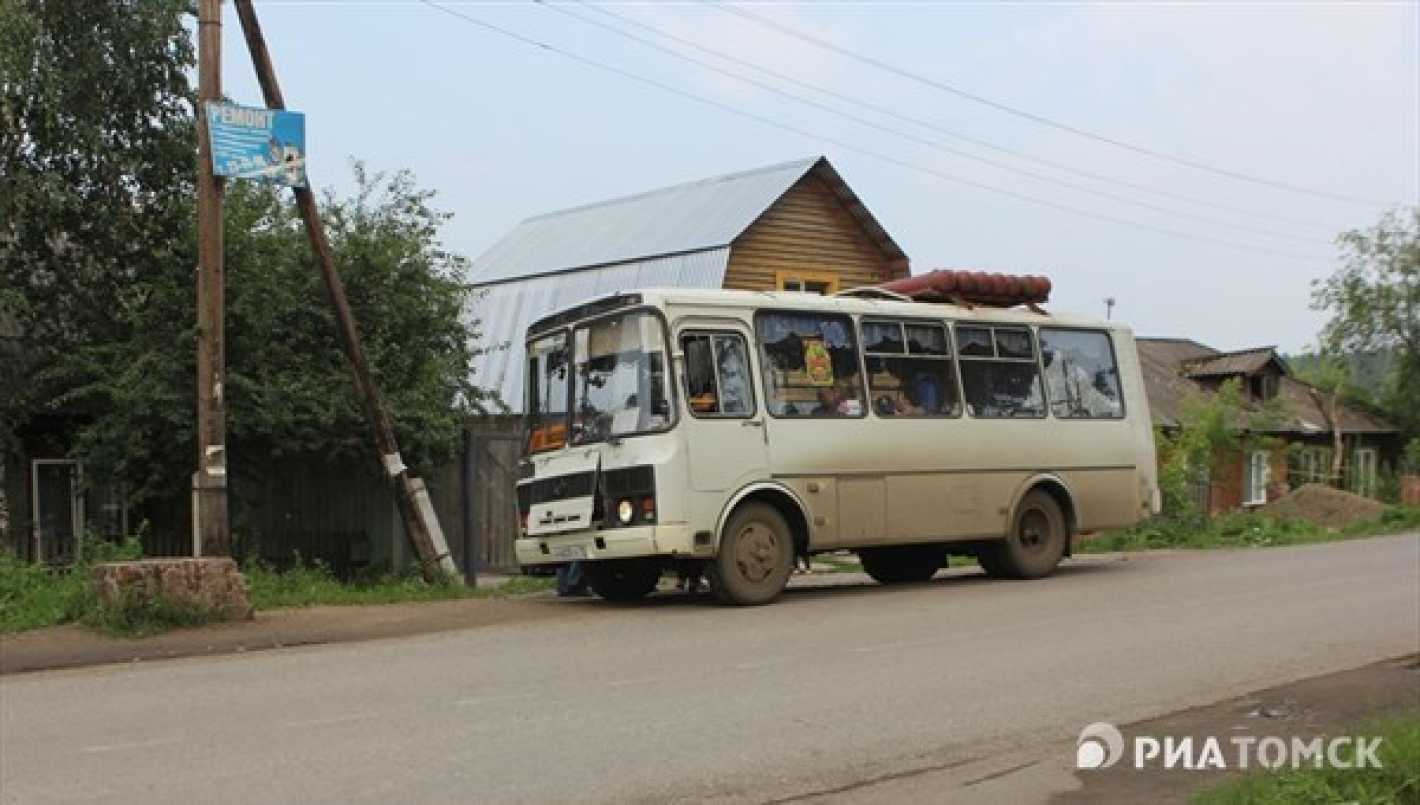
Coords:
pixel 1243 529
pixel 33 596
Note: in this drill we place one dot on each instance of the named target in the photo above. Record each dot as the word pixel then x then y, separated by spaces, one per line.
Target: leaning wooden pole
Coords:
pixel 415 508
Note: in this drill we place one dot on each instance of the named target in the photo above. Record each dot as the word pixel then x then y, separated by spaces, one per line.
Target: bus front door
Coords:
pixel 725 430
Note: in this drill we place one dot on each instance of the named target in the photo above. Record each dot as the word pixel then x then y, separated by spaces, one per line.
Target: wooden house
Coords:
pixel 1303 429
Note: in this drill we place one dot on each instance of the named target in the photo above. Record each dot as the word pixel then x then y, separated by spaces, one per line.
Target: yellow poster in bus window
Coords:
pixel 818 365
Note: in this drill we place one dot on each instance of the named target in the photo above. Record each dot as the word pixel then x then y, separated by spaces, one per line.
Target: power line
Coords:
pixel 932 125
pixel 856 148
pixel 561 9
pixel 1035 118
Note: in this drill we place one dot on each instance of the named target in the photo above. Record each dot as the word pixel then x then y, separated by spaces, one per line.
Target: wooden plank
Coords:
pixel 807 229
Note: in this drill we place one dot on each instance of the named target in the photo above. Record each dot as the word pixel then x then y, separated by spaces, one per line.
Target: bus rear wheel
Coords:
pixel 623 579
pixel 1035 544
pixel 755 558
pixel 902 564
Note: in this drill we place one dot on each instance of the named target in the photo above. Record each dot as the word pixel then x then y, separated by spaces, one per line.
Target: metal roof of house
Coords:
pixel 686 218
pixel 1240 362
pixel 504 310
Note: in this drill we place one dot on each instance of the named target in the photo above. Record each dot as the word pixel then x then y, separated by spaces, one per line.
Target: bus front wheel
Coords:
pixel 755 558
pixel 1035 544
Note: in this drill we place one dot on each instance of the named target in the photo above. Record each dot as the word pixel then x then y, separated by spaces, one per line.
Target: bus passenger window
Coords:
pixel 1081 374
pixel 717 375
pixel 999 373
pixel 810 364
pixel 909 369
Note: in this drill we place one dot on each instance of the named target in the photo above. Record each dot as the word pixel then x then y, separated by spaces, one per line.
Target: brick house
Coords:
pixel 1176 368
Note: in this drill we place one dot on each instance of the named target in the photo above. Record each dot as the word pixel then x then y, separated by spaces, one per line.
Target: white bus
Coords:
pixel 732 432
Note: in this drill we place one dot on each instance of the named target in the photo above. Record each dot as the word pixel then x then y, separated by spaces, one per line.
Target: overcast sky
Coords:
pixel 1316 95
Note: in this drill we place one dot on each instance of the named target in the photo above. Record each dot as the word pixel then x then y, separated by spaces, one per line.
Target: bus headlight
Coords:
pixel 625 512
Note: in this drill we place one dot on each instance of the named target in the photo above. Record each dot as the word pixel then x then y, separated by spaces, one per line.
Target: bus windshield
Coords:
pixel 620 378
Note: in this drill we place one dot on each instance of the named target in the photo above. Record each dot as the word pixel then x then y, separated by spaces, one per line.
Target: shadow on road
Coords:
pixel 840 586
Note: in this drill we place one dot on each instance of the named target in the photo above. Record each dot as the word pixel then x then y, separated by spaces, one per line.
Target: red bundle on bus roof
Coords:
pixel 973 287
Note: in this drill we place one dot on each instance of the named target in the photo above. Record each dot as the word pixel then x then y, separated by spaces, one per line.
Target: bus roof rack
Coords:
pixel 874 292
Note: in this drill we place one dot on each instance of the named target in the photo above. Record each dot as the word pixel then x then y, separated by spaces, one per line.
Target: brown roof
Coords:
pixel 1171 370
pixel 1241 362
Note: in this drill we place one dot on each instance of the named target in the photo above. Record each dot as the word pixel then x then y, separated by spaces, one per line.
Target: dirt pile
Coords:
pixel 1327 507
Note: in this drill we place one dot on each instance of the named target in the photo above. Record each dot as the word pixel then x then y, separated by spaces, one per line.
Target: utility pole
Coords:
pixel 415 508
pixel 211 535
pixel 1109 307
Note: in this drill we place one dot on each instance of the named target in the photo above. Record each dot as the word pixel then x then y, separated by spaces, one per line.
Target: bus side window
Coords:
pixel 717 375
pixel 1081 374
pixel 810 364
pixel 999 373
pixel 910 370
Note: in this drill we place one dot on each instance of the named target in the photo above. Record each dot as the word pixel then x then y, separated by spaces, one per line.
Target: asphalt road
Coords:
pixel 962 688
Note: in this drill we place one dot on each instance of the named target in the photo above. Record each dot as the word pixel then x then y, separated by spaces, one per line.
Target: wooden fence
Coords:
pixel 345 515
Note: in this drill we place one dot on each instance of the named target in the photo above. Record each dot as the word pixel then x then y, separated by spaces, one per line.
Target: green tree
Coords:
pixel 96 158
pixel 1214 429
pixel 288 386
pixel 1374 305
pixel 97 249
pixel 1331 387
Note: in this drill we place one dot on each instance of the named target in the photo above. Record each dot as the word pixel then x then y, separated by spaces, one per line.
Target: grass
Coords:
pixel 1243 530
pixel 1396 783
pixel 35 596
pixel 315 585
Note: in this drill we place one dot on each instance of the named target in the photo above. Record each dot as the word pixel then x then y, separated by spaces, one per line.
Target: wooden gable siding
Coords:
pixel 808 229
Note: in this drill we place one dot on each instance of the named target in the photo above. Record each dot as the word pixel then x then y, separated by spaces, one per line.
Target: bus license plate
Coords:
pixel 569 552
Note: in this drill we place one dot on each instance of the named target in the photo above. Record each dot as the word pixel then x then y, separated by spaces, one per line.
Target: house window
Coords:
pixel 1255 476
pixel 819 282
pixel 1363 472
pixel 1263 387
pixel 1313 466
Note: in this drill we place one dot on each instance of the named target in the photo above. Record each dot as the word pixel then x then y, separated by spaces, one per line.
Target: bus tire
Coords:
pixel 902 564
pixel 1035 544
pixel 755 559
pixel 623 579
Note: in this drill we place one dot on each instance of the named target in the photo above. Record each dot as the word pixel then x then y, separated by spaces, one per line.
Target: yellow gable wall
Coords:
pixel 807 230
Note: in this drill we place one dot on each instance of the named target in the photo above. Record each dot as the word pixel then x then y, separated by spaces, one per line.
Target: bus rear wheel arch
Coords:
pixel 1037 539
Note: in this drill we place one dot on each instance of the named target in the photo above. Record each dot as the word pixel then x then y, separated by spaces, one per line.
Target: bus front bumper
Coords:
pixel 612 543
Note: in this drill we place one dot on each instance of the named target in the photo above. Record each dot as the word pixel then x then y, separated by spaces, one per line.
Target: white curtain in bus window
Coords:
pixel 999 373
pixel 1080 374
pixel 810 365
pixel 717 375
pixel 909 369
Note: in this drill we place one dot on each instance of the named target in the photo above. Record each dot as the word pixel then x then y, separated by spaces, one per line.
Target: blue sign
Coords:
pixel 263 144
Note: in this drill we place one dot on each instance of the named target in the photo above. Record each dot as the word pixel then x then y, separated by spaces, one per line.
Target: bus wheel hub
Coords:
pixel 754 553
